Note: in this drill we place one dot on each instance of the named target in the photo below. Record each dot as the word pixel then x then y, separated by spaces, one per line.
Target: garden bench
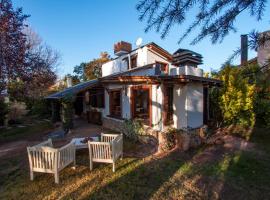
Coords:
pixel 46 159
pixel 108 150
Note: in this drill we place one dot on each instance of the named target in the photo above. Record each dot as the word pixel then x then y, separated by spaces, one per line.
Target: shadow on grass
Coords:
pixel 143 181
pixel 235 174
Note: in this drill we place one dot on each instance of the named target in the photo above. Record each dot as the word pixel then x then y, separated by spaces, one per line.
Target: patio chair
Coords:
pixel 46 159
pixel 108 150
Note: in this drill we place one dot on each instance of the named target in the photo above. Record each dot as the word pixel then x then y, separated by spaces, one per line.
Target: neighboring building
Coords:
pixel 147 83
pixel 263 52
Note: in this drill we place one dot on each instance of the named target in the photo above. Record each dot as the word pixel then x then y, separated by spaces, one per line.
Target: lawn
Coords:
pixel 211 172
pixel 24 130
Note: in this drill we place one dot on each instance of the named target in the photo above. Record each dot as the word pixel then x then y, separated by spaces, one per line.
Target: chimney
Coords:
pixel 69 81
pixel 121 48
pixel 244 49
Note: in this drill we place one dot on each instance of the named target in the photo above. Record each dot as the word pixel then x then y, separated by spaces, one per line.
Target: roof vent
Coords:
pixel 121 48
pixel 186 57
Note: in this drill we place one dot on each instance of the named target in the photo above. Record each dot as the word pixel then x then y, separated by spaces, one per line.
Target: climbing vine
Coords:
pixel 67 112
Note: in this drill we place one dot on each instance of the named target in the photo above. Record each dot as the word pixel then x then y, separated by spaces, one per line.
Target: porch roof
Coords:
pixel 74 89
pixel 171 79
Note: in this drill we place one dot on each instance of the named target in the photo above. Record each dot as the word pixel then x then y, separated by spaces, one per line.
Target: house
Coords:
pixel 263 51
pixel 147 83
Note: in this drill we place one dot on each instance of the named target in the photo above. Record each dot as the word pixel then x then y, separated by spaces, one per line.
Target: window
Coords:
pixel 168 105
pixel 115 103
pixel 96 98
pixel 133 61
pixel 161 68
pixel 126 61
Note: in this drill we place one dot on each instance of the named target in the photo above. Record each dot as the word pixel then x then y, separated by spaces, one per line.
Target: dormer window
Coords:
pixel 161 68
pixel 133 61
pixel 126 61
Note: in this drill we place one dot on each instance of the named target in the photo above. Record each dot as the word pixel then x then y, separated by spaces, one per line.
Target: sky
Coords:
pixel 79 30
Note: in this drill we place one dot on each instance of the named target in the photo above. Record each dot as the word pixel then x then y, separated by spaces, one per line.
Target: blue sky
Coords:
pixel 81 29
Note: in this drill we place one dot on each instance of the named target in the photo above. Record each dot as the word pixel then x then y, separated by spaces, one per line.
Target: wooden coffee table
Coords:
pixel 78 142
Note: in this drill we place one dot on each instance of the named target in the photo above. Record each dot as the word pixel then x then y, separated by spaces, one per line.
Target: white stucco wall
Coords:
pixel 118 65
pixel 179 106
pixel 153 57
pixel 186 70
pixel 157 99
pixel 194 105
pixel 125 101
pixel 188 106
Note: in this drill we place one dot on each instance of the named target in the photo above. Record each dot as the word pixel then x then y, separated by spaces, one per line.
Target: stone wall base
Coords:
pixel 112 124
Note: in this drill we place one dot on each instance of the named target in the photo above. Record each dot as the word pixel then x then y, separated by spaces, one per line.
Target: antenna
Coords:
pixel 139 42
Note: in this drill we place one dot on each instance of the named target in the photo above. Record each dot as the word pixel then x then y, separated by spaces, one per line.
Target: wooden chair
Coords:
pixel 46 159
pixel 108 150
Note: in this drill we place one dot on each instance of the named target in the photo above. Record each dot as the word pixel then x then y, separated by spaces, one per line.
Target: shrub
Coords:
pixel 16 111
pixel 67 113
pixel 39 107
pixel 236 97
pixel 132 129
pixel 169 137
pixel 3 111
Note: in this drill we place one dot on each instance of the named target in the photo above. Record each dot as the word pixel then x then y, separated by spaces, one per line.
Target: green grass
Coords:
pixel 16 133
pixel 232 175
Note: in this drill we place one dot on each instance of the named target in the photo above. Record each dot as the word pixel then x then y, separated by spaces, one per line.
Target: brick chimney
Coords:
pixel 244 49
pixel 121 48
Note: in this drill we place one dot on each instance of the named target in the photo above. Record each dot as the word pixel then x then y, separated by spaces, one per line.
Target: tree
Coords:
pixel 214 19
pixel 41 62
pixel 92 69
pixel 12 43
pixel 27 65
pixel 79 70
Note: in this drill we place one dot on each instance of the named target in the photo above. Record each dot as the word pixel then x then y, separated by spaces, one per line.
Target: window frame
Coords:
pixel 111 113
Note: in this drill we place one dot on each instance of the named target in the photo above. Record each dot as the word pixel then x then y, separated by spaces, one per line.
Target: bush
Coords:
pixel 132 129
pixel 3 111
pixel 67 113
pixel 16 111
pixel 169 137
pixel 39 107
pixel 236 97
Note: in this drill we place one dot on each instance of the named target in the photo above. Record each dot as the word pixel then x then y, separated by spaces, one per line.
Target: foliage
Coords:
pixel 92 69
pixel 79 70
pixel 236 97
pixel 27 131
pixel 262 103
pixel 39 107
pixel 27 64
pixel 169 139
pixel 12 43
pixel 132 128
pixel 67 112
pixel 16 111
pixel 3 111
pixel 244 97
pixel 214 19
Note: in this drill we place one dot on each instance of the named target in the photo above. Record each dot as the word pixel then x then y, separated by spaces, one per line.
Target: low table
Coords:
pixel 78 142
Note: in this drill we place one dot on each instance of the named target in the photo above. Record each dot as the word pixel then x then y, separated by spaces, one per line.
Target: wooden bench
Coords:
pixel 46 159
pixel 108 150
